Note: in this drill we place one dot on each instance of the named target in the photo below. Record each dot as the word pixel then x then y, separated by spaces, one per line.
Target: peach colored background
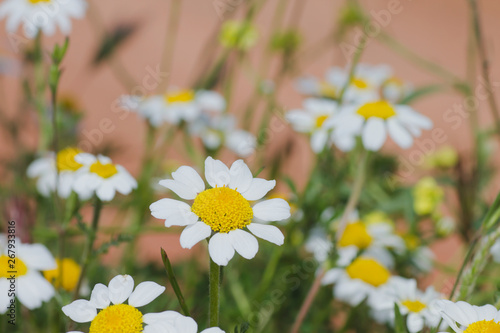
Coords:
pixel 436 29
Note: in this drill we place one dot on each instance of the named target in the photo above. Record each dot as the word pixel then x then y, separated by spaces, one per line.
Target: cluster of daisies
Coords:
pixel 202 111
pixel 365 105
pixel 72 170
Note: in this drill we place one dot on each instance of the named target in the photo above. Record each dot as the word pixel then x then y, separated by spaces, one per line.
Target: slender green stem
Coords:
pixel 214 293
pixel 91 236
pixel 173 282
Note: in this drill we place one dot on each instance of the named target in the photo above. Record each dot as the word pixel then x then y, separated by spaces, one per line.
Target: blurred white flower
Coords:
pixel 27 260
pixel 463 317
pixel 41 15
pixel 223 211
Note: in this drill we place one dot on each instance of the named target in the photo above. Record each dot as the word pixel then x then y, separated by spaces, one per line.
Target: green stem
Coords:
pixel 214 293
pixel 87 255
pixel 173 282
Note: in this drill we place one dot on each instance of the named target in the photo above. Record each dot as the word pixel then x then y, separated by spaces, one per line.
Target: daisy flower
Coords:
pixel 358 281
pixel 215 130
pixel 463 317
pixel 223 211
pixel 312 120
pixel 45 170
pixel 418 306
pixel 102 177
pixel 174 106
pixel 375 119
pixel 30 259
pixel 318 244
pixel 42 15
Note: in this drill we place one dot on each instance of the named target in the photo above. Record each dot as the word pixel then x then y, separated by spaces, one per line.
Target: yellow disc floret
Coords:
pixel 369 271
pixel 119 318
pixel 483 326
pixel 359 83
pixel 357 235
pixel 182 96
pixel 69 272
pixel 320 120
pixel 10 265
pixel 103 170
pixel 379 109
pixel 223 209
pixel 66 159
pixel 414 306
pixel 38 1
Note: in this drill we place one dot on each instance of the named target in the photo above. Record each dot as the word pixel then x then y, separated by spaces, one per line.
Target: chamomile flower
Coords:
pixel 223 211
pixel 463 317
pixel 312 120
pixel 24 267
pixel 174 106
pixel 318 244
pixel 375 119
pixel 45 170
pixel 100 176
pixel 418 306
pixel 42 15
pixel 216 129
pixel 357 281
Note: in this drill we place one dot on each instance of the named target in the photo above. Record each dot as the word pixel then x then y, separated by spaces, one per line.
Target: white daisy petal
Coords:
pixel 213 330
pixel 185 324
pixel 190 178
pixel 145 293
pixel 216 173
pixel 258 189
pixel 80 311
pixel 120 288
pixel 244 243
pixel 221 249
pixel 165 316
pixel 269 233
pixel 414 322
pixel 374 134
pixel 241 176
pixel 399 134
pixel 36 256
pixel 181 189
pixel 100 296
pixel 272 210
pixel 194 233
pixel 174 212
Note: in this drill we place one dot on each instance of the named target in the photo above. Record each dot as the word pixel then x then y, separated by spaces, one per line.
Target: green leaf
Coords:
pixel 112 41
pixel 173 282
pixel 399 323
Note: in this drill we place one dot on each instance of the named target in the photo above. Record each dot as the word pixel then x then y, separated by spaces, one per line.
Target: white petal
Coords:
pixel 194 233
pixel 221 249
pixel 106 192
pixel 399 134
pixel 165 316
pixel 36 256
pixel 213 330
pixel 174 212
pixel 241 176
pixel 145 293
pixel 301 121
pixel 244 243
pixel 80 311
pixel 120 287
pixel 374 134
pixel 272 210
pixel 414 322
pixel 318 141
pixel 190 177
pixel 185 324
pixel 5 299
pixel 100 296
pixel 216 172
pixel 258 189
pixel 269 233
pixel 182 190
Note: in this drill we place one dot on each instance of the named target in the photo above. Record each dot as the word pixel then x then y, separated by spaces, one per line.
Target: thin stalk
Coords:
pixel 173 282
pixel 355 60
pixel 485 64
pixel 87 255
pixel 214 294
pixel 169 44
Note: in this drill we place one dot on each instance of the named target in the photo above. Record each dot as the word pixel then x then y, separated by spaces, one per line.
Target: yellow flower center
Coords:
pixel 357 235
pixel 70 273
pixel 66 159
pixel 483 326
pixel 327 90
pixel 369 271
pixel 412 242
pixel 223 209
pixel 103 170
pixel 359 83
pixel 38 1
pixel 379 109
pixel 414 306
pixel 320 120
pixel 12 265
pixel 182 96
pixel 119 318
